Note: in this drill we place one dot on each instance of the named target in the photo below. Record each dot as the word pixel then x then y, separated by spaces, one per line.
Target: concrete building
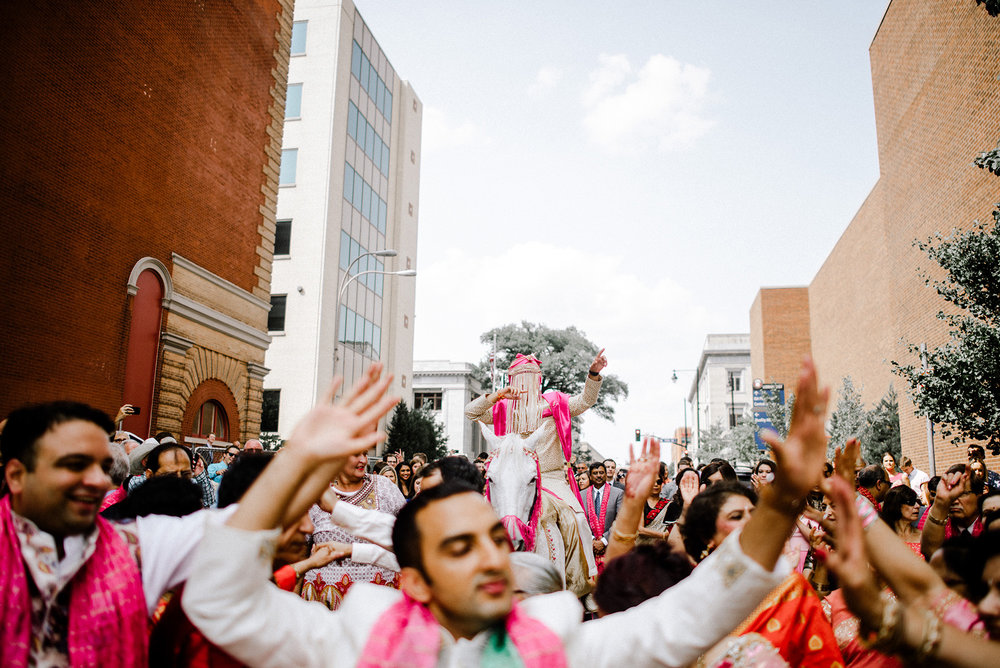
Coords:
pixel 444 388
pixel 139 182
pixel 350 173
pixel 937 105
pixel 720 392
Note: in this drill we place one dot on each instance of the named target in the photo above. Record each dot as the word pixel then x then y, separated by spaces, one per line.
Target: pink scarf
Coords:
pixel 558 410
pixel 597 522
pixel 408 635
pixel 107 609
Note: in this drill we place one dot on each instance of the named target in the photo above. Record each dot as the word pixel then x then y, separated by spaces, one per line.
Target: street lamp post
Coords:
pixel 697 401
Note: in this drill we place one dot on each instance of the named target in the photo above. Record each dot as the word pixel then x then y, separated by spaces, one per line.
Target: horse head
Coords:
pixel 513 484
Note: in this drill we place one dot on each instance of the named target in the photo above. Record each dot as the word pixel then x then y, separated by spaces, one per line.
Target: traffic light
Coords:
pixel 638 435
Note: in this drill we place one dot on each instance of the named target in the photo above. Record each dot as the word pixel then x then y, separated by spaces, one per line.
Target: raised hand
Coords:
pixel 951 487
pixel 689 488
pixel 801 456
pixel 644 470
pixel 845 462
pixel 331 430
pixel 507 393
pixel 599 362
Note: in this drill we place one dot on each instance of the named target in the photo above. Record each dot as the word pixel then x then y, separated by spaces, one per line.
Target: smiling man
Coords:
pixel 456 606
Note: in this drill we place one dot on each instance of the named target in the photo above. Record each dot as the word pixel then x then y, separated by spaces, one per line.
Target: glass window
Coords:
pixel 427 399
pixel 269 410
pixel 352 120
pixel 369 140
pixel 351 326
pixel 356 61
pixel 276 316
pixel 365 67
pixel 366 202
pixel 345 251
pixel 282 237
pixel 342 325
pixel 377 343
pixel 381 216
pixel 299 37
pixel 736 380
pixel 377 157
pixel 372 83
pixel 355 252
pixel 289 156
pixel 293 101
pixel 368 332
pixel 359 187
pixel 348 182
pixel 380 97
pixel 211 419
pixel 385 160
pixel 388 105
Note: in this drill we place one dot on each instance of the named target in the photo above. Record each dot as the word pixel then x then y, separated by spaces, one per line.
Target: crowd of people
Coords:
pixel 124 551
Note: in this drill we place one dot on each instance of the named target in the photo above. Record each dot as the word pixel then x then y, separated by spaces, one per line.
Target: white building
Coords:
pixel 720 392
pixel 445 388
pixel 349 186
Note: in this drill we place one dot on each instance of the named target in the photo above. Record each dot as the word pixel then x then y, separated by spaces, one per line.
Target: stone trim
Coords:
pixel 159 268
pixel 176 344
pixel 257 371
pixel 220 322
pixel 218 281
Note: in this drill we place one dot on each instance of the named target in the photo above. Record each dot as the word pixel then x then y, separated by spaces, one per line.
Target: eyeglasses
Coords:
pixel 232 454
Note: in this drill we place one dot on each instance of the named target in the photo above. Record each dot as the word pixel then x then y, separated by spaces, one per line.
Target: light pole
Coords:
pixel 347 282
pixel 732 402
pixel 697 401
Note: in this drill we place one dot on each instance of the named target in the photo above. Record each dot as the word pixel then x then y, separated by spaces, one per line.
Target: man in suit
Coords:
pixel 600 505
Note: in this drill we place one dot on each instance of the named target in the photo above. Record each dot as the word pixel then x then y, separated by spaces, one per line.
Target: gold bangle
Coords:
pixel 931 640
pixel 934 520
pixel 624 537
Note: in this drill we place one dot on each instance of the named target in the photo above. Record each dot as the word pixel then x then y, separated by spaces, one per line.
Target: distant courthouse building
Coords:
pixel 139 182
pixel 444 388
pixel 349 186
pixel 719 393
pixel 937 105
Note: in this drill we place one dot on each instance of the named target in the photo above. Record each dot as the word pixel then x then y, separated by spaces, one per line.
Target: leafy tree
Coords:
pixel 780 414
pixel 849 419
pixel 881 433
pixel 565 354
pixel 960 387
pixel 415 430
pixel 734 445
pixel 989 160
pixel 271 440
pixel 992 6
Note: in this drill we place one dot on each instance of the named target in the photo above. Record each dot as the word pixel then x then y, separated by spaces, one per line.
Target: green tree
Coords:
pixel 992 6
pixel 565 354
pixel 849 420
pixel 989 160
pixel 779 413
pixel 960 386
pixel 881 433
pixel 415 430
pixel 735 445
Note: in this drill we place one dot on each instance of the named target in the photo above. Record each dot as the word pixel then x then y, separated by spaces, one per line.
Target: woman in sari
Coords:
pixel 900 510
pixel 655 526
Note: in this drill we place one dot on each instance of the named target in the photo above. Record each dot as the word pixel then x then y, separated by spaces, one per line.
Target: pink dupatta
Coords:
pixel 107 608
pixel 407 634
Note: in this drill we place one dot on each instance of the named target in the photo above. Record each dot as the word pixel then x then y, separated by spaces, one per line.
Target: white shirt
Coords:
pixel 229 599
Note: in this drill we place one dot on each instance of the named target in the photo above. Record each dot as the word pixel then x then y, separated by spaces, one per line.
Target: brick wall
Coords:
pixel 130 130
pixel 779 334
pixel 937 104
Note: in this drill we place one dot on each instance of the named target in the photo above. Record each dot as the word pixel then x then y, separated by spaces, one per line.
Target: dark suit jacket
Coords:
pixel 614 504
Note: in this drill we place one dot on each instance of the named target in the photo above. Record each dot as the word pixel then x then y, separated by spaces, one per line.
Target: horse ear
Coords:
pixel 492 440
pixel 531 443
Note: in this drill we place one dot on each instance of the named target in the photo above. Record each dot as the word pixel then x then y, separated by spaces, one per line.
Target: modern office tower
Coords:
pixel 348 189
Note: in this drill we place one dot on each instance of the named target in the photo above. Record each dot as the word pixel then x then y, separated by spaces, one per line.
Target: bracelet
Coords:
pixel 886 638
pixel 866 511
pixel 934 520
pixel 624 537
pixel 593 375
pixel 931 639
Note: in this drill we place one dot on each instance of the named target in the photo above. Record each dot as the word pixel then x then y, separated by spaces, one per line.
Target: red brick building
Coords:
pixel 937 104
pixel 139 172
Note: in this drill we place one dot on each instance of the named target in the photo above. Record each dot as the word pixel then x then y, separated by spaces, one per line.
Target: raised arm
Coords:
pixel 951 487
pixel 642 473
pixel 591 388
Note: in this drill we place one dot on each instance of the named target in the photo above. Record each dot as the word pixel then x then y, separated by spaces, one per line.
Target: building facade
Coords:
pixel 140 208
pixel 934 77
pixel 444 388
pixel 720 393
pixel 349 186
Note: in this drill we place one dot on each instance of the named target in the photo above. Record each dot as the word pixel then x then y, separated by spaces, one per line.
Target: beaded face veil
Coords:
pixel 526 377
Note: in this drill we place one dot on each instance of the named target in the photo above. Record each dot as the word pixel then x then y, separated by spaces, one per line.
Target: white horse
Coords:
pixel 534 519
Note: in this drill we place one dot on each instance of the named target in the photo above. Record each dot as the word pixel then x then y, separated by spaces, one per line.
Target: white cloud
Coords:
pixel 643 324
pixel 439 132
pixel 546 79
pixel 662 105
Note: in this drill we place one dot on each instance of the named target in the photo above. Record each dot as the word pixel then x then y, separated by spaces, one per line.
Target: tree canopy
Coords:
pixel 415 430
pixel 734 445
pixel 565 354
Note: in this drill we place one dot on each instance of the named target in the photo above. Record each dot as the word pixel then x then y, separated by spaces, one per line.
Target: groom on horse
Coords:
pixel 521 408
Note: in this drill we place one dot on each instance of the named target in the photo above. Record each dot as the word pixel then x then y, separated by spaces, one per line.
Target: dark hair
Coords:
pixel 25 426
pixel 702 514
pixel 718 466
pixel 985 546
pixel 406 533
pixel 932 484
pixel 482 456
pixel 976 484
pixel 765 462
pixel 605 462
pixel 898 496
pixel 989 494
pixel 870 475
pixel 596 465
pixel 977 452
pixel 160 435
pixel 685 460
pixel 163 495
pixel 891 455
pixel 153 458
pixel 241 474
pixel 455 467
pixel 639 575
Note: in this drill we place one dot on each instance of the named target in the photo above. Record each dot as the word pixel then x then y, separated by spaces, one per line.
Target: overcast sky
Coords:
pixel 636 169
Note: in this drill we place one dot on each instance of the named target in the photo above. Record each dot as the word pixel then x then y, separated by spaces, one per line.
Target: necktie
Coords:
pixel 597 503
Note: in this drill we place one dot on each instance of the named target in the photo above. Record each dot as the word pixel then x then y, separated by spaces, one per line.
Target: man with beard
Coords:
pixel 521 408
pixel 353 486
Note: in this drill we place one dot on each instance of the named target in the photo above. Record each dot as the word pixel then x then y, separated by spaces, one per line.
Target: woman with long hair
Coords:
pixel 404 479
pixel 896 478
pixel 900 510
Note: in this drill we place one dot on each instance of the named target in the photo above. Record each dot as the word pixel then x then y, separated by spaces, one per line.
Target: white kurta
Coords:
pixel 230 600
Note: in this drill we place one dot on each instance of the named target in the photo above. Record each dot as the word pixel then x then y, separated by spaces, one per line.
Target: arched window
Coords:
pixel 211 419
